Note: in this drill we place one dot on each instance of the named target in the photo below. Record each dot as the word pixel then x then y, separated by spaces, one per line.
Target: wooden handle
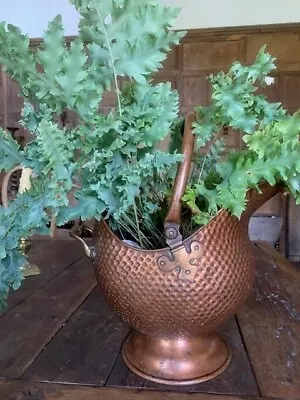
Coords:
pixel 172 221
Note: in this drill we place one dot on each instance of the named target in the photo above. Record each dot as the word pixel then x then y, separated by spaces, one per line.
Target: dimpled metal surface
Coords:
pixel 158 303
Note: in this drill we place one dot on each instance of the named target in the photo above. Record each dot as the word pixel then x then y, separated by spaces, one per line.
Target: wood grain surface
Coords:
pixel 27 328
pixel 23 390
pixel 270 325
pixel 85 349
pixel 52 257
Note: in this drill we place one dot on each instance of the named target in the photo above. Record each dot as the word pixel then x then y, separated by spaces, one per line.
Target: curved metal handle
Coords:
pixel 172 221
pixel 89 251
pixel 4 187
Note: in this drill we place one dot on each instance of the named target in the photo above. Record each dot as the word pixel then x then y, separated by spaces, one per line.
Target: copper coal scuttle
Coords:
pixel 175 297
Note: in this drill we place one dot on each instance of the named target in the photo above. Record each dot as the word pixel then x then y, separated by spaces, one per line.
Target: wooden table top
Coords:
pixel 59 339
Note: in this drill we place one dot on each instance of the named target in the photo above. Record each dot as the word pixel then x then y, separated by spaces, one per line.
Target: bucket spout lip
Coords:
pixel 257 198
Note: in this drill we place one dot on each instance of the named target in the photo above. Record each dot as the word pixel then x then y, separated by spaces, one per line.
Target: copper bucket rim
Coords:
pixel 162 249
pixel 185 241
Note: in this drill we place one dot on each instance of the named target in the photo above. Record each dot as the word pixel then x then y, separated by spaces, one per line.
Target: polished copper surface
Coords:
pixel 154 292
pixel 172 221
pixel 184 260
pixel 160 305
pixel 194 360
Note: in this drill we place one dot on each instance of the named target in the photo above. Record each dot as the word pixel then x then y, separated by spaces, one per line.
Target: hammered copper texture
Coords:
pixel 158 303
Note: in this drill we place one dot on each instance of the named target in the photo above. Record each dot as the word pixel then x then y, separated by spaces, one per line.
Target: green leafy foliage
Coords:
pixel 23 217
pixel 110 163
pixel 129 38
pixel 234 101
pixel 15 57
pixel 271 135
pixel 125 161
pixel 241 170
pixel 9 151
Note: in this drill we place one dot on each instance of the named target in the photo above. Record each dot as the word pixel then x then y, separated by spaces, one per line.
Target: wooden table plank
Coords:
pixel 270 324
pixel 282 263
pixel 85 349
pixel 26 329
pixel 52 257
pixel 23 390
pixel 238 379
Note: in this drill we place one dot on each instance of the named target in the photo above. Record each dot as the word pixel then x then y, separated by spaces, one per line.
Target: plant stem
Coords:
pixel 137 224
pixel 111 57
pixel 119 100
pixel 206 155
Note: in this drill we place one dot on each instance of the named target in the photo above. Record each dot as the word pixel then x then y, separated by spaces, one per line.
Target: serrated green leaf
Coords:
pixel 10 155
pixel 86 208
pixel 51 53
pixel 72 75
